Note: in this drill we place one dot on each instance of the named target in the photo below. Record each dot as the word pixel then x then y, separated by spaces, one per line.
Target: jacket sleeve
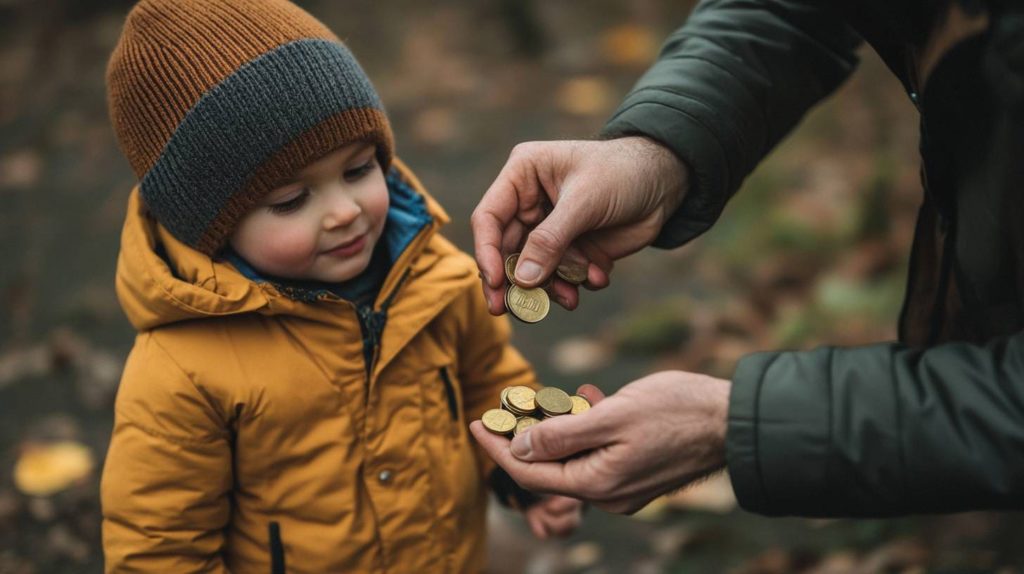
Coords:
pixel 487 364
pixel 727 87
pixel 879 430
pixel 167 477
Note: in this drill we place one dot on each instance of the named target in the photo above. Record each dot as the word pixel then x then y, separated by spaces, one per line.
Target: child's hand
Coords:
pixel 554 516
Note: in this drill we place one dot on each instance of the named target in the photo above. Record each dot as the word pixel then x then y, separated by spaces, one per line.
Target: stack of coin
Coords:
pixel 522 407
pixel 532 305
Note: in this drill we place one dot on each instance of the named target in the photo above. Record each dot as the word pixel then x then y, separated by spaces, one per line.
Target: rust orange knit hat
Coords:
pixel 215 102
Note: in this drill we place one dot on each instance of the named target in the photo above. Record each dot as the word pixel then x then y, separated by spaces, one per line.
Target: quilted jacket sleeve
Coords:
pixel 729 85
pixel 879 430
pixel 167 476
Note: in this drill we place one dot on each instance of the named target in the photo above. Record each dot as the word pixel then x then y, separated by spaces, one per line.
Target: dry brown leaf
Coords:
pixel 45 469
pixel 585 96
pixel 630 45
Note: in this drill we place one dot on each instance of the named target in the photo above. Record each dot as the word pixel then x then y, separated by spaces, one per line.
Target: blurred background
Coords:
pixel 811 252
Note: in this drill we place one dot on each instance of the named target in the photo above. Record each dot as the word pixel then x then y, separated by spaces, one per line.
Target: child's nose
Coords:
pixel 341 211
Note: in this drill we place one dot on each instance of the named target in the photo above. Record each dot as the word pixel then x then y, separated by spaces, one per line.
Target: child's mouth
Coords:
pixel 348 249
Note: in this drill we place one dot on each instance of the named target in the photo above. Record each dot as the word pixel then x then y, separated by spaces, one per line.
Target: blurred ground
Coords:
pixel 812 251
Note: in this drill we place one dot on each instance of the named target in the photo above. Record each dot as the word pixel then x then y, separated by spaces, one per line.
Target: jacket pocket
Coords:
pixel 276 549
pixel 449 389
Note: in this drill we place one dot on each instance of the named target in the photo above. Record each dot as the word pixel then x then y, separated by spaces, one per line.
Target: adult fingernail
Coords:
pixel 528 271
pixel 522 446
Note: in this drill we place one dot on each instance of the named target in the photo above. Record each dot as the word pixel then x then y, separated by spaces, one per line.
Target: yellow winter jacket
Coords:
pixel 250 437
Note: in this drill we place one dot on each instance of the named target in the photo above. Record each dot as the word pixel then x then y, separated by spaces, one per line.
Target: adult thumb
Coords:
pixel 546 244
pixel 559 437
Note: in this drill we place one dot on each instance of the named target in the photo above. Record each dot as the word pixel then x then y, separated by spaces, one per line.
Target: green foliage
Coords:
pixel 655 328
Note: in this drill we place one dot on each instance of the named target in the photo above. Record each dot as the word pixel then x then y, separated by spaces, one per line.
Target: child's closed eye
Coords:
pixel 291 204
pixel 360 171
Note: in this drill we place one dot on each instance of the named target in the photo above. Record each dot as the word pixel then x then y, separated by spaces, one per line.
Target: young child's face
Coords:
pixel 324 224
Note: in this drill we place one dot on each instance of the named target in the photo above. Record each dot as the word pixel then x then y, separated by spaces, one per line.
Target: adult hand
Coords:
pixel 601 200
pixel 654 435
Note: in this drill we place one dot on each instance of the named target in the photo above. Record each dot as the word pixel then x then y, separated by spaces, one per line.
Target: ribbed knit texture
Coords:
pixel 215 102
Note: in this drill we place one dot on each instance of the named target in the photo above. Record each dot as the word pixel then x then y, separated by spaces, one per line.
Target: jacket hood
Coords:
pixel 160 280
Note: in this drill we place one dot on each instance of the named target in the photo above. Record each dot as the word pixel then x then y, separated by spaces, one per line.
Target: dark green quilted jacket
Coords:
pixel 935 421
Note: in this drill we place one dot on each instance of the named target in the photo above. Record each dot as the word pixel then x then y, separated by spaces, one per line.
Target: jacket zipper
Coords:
pixel 372 323
pixel 453 403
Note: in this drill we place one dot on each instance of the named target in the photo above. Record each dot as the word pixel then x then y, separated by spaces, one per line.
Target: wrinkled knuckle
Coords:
pixel 545 239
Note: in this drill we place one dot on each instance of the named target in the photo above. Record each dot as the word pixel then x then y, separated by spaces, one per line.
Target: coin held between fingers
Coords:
pixel 527 305
pixel 574 272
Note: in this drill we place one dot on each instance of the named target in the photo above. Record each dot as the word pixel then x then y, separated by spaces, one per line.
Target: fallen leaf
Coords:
pixel 585 96
pixel 45 469
pixel 630 45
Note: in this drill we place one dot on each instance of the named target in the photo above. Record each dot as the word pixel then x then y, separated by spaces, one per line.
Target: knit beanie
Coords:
pixel 215 102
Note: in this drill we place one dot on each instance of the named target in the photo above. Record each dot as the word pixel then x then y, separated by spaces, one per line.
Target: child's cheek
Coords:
pixel 289 249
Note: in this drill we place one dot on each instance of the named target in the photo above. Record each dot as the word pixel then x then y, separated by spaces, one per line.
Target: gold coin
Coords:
pixel 579 404
pixel 553 401
pixel 510 267
pixel 504 393
pixel 574 272
pixel 498 421
pixel 527 305
pixel 524 423
pixel 521 399
pixel 505 405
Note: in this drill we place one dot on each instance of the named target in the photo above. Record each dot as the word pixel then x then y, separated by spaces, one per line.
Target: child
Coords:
pixel 309 349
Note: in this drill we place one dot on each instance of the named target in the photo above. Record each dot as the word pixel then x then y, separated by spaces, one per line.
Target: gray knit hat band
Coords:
pixel 250 116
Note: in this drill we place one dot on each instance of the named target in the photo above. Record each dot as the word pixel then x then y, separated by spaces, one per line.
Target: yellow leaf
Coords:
pixel 630 45
pixel 585 96
pixel 46 469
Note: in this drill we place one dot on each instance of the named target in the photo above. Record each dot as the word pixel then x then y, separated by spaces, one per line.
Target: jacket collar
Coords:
pixel 161 280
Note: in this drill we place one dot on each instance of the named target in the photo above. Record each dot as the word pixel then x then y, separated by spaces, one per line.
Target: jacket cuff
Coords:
pixel 643 114
pixel 778 440
pixel 508 491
